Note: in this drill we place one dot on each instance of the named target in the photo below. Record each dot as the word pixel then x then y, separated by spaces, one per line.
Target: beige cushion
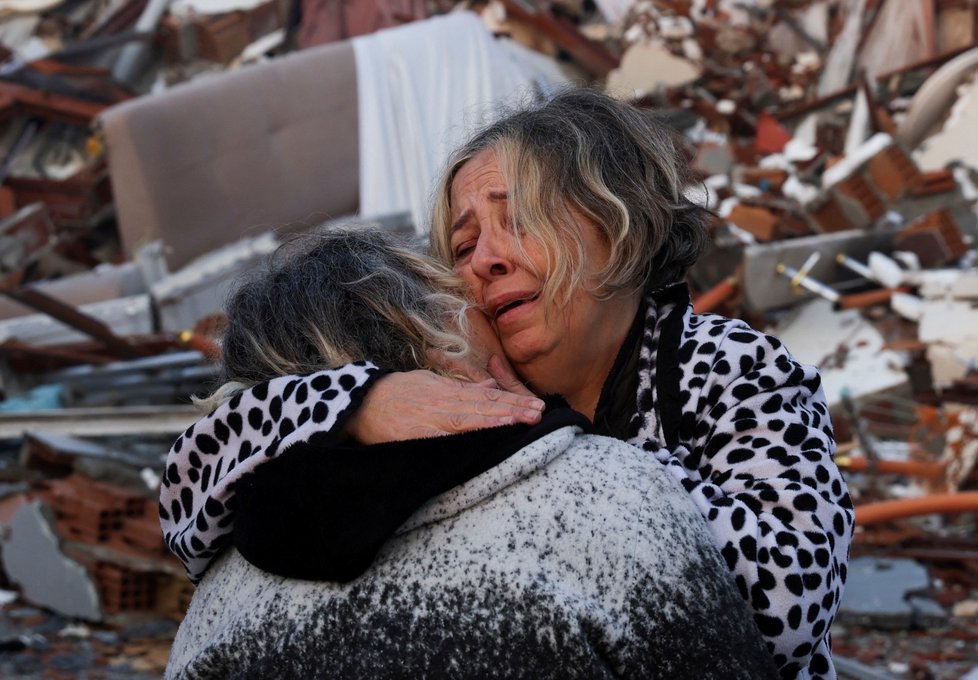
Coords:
pixel 235 154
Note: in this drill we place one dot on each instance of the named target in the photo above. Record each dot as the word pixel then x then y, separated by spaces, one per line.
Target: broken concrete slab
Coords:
pixel 765 289
pixel 847 349
pixel 879 590
pixel 200 288
pixel 33 560
pixel 927 613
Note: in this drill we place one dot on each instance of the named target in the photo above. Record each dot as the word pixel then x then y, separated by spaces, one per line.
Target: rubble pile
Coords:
pixel 834 140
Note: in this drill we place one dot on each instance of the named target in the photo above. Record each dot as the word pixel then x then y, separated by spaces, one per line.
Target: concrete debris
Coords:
pixel 153 152
pixel 879 593
pixel 646 67
pixel 847 349
pixel 32 559
pixel 958 139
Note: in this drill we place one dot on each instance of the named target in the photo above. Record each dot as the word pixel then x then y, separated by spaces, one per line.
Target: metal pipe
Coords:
pixel 798 278
pixel 886 511
pixel 916 468
pixel 855 266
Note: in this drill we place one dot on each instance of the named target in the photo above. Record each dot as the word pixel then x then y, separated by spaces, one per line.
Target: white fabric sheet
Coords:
pixel 422 89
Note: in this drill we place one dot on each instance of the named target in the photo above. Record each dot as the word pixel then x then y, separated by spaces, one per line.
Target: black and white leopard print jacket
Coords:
pixel 741 425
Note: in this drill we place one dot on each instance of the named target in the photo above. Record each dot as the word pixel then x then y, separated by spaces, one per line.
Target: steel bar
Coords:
pixel 94 422
pixel 68 315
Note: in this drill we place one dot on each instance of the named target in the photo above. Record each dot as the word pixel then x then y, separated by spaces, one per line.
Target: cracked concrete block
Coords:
pixel 33 560
pixel 878 594
pixel 927 613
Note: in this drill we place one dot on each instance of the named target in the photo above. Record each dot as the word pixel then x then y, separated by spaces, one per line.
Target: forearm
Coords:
pixel 197 497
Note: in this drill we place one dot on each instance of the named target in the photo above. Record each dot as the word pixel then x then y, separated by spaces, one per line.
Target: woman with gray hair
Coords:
pixel 569 225
pixel 521 551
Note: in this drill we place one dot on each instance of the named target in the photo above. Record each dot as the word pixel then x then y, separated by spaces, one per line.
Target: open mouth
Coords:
pixel 513 304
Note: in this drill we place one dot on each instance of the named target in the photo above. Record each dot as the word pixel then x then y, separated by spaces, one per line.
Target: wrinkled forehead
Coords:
pixel 482 173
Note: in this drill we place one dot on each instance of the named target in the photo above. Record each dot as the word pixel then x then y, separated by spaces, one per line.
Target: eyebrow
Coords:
pixel 494 195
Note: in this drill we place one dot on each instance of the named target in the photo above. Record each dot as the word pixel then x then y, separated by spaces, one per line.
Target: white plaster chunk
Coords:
pixel 726 106
pixel 942 283
pixel 948 321
pixel 854 160
pixel 727 205
pixel 815 334
pixel 910 307
pixel 33 560
pixel 189 8
pixel 692 50
pixel 747 191
pixel 945 365
pixel 965 285
pixel 776 160
pixel 907 259
pixel 809 61
pixel 675 27
pixel 885 270
pixel 860 125
pixel 800 191
pixel 647 67
pixel 958 139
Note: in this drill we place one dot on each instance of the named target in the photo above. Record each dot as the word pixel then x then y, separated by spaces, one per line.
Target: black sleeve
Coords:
pixel 317 512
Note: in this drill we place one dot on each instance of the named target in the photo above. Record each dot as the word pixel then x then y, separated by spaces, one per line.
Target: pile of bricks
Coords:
pixel 89 511
pixel 121 523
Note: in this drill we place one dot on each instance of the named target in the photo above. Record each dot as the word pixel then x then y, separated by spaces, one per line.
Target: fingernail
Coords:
pixel 538 404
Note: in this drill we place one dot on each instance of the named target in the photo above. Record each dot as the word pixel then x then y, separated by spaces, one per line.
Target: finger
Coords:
pixel 466 422
pixel 468 392
pixel 500 369
pixel 493 409
pixel 421 432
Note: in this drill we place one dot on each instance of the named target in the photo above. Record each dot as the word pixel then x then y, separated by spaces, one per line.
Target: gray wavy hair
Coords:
pixel 620 167
pixel 336 297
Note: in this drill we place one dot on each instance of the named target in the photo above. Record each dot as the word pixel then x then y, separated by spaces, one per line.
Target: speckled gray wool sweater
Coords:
pixel 577 557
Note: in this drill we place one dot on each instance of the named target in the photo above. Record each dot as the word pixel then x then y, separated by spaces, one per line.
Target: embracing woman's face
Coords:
pixel 565 351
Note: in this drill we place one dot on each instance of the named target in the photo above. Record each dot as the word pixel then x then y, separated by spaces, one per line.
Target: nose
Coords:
pixel 490 260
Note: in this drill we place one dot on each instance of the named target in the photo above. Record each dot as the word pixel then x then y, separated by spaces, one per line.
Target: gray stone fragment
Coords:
pixel 927 613
pixel 877 592
pixel 33 560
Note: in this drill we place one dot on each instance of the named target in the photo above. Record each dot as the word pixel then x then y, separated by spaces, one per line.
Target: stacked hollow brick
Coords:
pixel 95 513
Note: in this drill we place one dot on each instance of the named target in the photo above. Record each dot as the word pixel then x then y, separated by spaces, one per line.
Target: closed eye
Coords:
pixel 463 250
